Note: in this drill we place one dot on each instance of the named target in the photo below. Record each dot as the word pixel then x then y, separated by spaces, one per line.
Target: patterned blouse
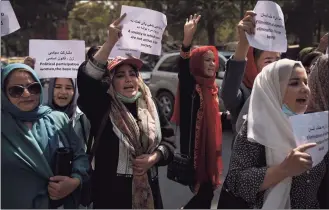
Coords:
pixel 247 172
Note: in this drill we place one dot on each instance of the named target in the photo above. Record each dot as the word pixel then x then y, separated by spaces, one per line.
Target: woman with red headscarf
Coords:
pixel 241 71
pixel 197 114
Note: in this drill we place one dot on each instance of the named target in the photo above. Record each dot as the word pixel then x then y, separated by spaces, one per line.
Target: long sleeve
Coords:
pixel 230 92
pixel 93 98
pixel 247 168
pixel 167 146
pixel 186 80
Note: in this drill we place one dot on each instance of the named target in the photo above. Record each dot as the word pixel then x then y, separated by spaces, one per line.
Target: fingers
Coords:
pixel 305 156
pixel 138 171
pixel 247 27
pixel 249 13
pixel 118 21
pixel 198 18
pixel 304 147
pixel 58 178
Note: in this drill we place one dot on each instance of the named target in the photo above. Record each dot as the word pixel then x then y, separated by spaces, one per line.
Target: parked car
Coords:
pixel 164 81
pixel 145 72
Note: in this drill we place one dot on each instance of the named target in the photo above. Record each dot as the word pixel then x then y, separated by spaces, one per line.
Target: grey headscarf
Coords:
pixel 70 109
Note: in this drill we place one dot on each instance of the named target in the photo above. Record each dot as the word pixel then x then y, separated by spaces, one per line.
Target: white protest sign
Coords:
pixel 327 51
pixel 270 32
pixel 9 22
pixel 309 128
pixel 118 50
pixel 57 58
pixel 143 29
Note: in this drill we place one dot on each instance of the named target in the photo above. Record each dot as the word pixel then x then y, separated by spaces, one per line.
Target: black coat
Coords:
pixel 111 191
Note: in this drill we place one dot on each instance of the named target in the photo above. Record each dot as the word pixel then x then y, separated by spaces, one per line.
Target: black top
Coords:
pixel 248 168
pixel 189 105
pixel 109 189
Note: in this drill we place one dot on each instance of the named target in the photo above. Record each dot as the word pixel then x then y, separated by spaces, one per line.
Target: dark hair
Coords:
pixel 6 81
pixel 310 57
pixel 91 52
pixel 106 77
pixel 257 53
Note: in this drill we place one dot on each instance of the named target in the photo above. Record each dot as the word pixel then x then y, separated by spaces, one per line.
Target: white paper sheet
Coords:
pixel 118 50
pixel 9 22
pixel 310 128
pixel 270 32
pixel 57 58
pixel 143 29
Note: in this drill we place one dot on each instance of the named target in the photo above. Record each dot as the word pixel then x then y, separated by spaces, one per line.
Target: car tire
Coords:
pixel 166 100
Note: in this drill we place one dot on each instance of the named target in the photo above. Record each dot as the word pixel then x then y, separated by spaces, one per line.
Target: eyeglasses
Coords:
pixel 17 91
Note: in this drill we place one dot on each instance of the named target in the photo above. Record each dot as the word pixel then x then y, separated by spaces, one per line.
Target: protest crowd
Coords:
pixel 84 130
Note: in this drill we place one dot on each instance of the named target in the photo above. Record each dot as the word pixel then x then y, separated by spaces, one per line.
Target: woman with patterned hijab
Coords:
pixel 136 138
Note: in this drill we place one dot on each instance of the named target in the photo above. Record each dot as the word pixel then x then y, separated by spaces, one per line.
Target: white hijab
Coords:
pixel 269 126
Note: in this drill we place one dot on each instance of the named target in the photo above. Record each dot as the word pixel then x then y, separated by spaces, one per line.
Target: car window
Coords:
pixel 145 68
pixel 170 64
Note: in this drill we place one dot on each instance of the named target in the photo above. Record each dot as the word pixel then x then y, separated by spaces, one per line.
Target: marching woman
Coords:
pixel 267 169
pixel 31 135
pixel 197 114
pixel 132 136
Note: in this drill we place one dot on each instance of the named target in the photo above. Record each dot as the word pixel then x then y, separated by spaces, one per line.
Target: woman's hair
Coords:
pixel 6 81
pixel 309 58
pixel 107 76
pixel 91 52
pixel 257 53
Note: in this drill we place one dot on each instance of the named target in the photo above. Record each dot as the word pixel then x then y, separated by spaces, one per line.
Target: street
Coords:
pixel 174 195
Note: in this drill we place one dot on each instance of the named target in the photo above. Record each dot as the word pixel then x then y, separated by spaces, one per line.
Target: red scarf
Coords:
pixel 251 69
pixel 208 131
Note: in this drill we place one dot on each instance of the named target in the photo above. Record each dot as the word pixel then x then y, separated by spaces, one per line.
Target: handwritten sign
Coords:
pixel 309 128
pixel 118 50
pixel 143 29
pixel 9 22
pixel 57 58
pixel 270 32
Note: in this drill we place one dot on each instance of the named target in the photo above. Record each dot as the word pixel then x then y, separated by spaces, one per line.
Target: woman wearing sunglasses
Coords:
pixel 31 134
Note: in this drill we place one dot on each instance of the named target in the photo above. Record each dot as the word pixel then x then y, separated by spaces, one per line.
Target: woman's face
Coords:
pixel 266 58
pixel 297 92
pixel 63 92
pixel 209 65
pixel 125 81
pixel 24 99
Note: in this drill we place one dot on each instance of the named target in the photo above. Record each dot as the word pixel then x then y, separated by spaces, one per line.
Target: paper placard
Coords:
pixel 270 32
pixel 57 58
pixel 143 29
pixel 118 50
pixel 9 22
pixel 310 128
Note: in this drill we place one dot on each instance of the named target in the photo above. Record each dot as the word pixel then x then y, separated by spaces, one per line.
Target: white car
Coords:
pixel 164 81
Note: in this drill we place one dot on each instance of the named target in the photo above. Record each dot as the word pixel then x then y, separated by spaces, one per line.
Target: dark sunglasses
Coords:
pixel 17 91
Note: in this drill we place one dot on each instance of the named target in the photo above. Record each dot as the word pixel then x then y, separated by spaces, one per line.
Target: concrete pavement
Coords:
pixel 174 195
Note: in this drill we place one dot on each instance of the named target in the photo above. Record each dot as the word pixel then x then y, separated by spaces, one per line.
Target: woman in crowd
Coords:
pixel 319 85
pixel 240 74
pixel 62 96
pixel 267 169
pixel 136 138
pixel 30 135
pixel 197 115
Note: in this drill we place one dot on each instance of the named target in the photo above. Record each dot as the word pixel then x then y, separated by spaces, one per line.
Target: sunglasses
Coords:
pixel 17 91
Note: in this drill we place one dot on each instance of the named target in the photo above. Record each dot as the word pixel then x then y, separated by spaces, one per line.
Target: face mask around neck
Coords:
pixel 287 111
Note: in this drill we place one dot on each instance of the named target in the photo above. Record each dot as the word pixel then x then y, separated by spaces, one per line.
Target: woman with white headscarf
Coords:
pixel 268 169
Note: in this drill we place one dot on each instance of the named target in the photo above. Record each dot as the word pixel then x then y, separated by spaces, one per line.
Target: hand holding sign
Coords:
pixel 246 25
pixel 115 30
pixel 270 33
pixel 298 161
pixel 190 29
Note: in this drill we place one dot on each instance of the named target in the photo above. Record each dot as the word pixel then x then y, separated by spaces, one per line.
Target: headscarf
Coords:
pixel 28 146
pixel 319 85
pixel 208 133
pixel 142 136
pixel 69 109
pixel 251 69
pixel 269 126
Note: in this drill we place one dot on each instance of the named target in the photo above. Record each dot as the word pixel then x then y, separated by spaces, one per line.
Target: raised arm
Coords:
pixel 235 67
pixel 184 75
pixel 92 92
